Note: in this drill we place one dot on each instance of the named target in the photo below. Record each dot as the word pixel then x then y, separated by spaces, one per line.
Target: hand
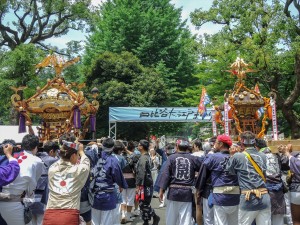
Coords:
pixel 80 150
pixel 161 195
pixel 120 189
pixel 137 189
pixel 7 149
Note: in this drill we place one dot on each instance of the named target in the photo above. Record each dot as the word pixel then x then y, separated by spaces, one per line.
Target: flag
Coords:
pixel 204 100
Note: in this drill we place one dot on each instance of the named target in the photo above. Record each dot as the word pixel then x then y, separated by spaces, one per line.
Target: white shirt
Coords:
pixel 30 171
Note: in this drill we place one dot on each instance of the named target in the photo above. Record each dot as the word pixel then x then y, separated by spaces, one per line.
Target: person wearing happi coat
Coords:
pixel 106 173
pixel 225 195
pixel 66 178
pixel 255 201
pixel 21 190
pixel 144 184
pixel 179 176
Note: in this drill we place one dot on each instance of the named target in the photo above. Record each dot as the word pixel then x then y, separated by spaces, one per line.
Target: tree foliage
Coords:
pixel 151 30
pixel 122 81
pixel 17 69
pixel 38 20
pixel 259 32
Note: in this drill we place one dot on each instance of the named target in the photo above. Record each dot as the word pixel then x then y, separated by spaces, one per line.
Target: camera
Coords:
pixel 15 148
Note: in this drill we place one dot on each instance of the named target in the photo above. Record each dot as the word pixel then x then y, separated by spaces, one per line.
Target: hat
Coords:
pixel 225 139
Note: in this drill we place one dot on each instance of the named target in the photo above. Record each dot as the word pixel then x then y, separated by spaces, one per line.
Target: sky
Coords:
pixel 188 6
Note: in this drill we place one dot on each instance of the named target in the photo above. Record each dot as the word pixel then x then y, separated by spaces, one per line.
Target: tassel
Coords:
pixel 76 118
pixel 22 123
pixel 92 123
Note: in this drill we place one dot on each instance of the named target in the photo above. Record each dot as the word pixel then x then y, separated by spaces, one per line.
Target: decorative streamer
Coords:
pixel 226 118
pixel 274 119
pixel 22 123
pixel 92 123
pixel 214 124
pixel 76 118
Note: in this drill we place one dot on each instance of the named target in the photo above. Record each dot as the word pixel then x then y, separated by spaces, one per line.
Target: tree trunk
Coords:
pixel 287 108
pixel 293 121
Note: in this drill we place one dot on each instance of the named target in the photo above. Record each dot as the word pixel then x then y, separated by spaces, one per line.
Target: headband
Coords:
pixel 182 143
pixel 107 149
pixel 248 141
pixel 71 145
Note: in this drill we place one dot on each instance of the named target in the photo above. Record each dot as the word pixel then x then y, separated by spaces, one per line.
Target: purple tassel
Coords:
pixel 92 123
pixel 22 125
pixel 76 118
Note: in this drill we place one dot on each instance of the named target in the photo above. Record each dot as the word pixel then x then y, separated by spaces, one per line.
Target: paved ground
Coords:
pixel 159 211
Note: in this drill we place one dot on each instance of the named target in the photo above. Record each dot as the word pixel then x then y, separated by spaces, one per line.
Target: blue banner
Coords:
pixel 161 114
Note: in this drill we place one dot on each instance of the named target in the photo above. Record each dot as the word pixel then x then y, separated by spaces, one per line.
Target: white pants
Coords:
pixel 277 219
pixel 100 217
pixel 128 196
pixel 262 217
pixel 295 198
pixel 13 213
pixel 288 214
pixel 37 219
pixel 226 215
pixel 178 213
pixel 208 213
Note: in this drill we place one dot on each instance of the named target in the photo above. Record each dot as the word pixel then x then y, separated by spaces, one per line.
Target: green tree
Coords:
pixel 17 69
pixel 259 32
pixel 38 20
pixel 125 82
pixel 153 31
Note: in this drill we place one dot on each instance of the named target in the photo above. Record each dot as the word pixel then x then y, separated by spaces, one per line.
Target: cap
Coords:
pixel 225 139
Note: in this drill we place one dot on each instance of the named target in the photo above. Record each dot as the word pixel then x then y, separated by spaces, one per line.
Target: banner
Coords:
pixel 274 119
pixel 226 109
pixel 161 114
pixel 214 124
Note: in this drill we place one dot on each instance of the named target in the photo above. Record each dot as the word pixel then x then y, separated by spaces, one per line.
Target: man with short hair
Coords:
pixel 106 173
pixel 9 172
pixel 179 176
pixel 274 183
pixel 144 184
pixel 250 167
pixel 31 167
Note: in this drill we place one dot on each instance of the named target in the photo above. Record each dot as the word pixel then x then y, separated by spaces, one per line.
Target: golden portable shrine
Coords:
pixel 244 104
pixel 57 104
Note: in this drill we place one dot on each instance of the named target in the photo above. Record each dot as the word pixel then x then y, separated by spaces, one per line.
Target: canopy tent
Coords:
pixel 159 114
pixel 11 132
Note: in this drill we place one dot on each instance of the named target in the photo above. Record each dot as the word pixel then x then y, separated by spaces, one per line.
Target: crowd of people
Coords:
pixel 109 182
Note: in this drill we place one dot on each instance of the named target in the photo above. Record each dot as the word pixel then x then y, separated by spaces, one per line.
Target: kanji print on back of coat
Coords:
pixel 182 168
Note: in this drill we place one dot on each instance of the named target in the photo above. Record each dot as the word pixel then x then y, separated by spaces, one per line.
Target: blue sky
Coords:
pixel 188 6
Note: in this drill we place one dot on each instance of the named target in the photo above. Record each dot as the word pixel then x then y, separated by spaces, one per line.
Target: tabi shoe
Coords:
pixel 156 219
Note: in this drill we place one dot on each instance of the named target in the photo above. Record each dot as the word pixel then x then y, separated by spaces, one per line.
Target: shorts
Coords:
pixel 87 216
pixel 295 198
pixel 128 196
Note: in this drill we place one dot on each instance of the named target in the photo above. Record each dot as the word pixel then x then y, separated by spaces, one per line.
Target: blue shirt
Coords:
pixel 216 164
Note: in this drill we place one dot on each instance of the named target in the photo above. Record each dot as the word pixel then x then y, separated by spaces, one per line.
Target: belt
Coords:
pixel 258 193
pixel 6 197
pixel 128 175
pixel 227 190
pixel 183 187
pixel 180 186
